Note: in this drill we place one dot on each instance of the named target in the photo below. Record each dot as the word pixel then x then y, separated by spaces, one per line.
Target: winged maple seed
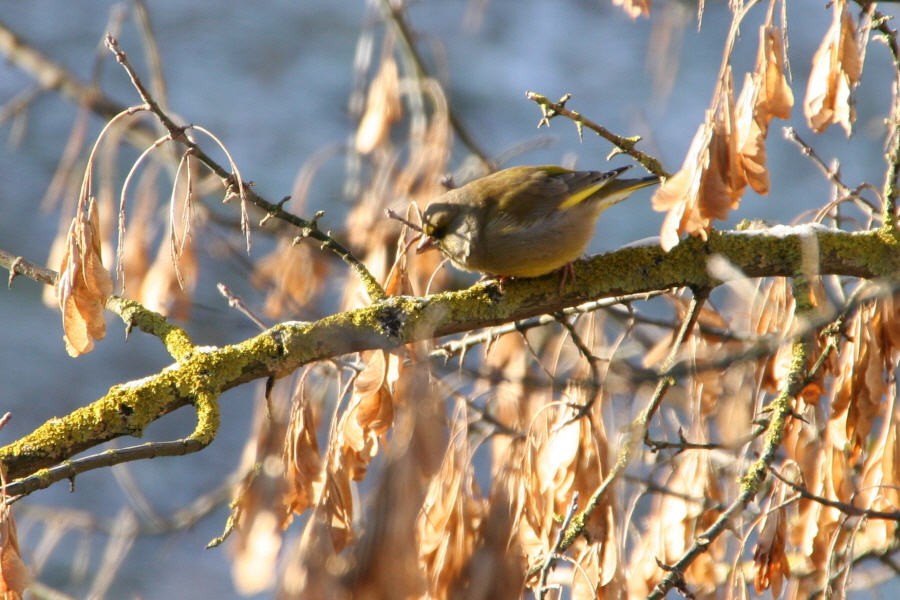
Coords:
pixel 836 71
pixel 728 151
pixel 84 283
pixel 383 108
pixel 769 559
pixel 367 419
pixel 683 513
pixel 765 95
pixel 302 461
pixel 14 577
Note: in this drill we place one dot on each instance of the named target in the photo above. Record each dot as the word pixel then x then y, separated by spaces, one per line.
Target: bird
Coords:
pixel 523 221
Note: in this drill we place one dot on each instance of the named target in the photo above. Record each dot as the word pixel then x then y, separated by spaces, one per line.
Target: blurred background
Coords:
pixel 279 82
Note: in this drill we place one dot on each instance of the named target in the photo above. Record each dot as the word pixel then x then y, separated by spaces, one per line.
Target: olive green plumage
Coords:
pixel 523 221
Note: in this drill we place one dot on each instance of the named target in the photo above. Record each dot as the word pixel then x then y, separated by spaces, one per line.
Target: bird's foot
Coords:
pixel 566 273
pixel 500 279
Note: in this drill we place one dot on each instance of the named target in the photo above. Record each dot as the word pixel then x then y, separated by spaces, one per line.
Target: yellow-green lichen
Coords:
pixel 44 476
pixel 176 340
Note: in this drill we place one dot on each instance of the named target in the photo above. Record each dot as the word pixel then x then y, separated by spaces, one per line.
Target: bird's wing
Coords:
pixel 546 192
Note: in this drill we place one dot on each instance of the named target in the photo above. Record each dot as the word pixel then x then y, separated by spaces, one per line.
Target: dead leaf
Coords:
pixel 836 71
pixel 681 514
pixel 303 465
pixel 769 559
pixel 880 488
pixel 447 526
pixel 383 108
pixel 860 388
pixel 167 288
pixel 14 577
pixel 711 180
pixel 84 283
pixel 367 418
pixel 260 511
pixel 496 569
pixel 292 274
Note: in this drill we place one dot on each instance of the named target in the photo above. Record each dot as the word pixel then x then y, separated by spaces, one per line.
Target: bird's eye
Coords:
pixel 438 232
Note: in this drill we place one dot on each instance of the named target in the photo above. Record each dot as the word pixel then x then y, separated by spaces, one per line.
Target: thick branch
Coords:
pixel 128 408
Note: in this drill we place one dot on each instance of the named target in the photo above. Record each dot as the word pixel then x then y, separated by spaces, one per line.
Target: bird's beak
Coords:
pixel 427 243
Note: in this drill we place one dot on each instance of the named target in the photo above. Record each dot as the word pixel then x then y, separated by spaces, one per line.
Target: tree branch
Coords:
pixel 128 409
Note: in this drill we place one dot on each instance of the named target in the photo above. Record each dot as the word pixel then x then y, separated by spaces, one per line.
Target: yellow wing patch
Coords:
pixel 583 194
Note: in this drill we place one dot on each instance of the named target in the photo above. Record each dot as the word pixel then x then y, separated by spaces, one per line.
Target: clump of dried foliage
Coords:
pixel 604 454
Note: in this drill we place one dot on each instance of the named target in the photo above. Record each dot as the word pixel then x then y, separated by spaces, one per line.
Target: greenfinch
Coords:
pixel 523 221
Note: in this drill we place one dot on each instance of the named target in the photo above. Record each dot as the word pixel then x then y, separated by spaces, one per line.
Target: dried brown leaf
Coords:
pixel 335 507
pixel 167 288
pixel 678 194
pixel 824 471
pixel 447 526
pixel 314 568
pixel 837 67
pixel 711 180
pixel 259 507
pixel 557 460
pixel 303 465
pixel 386 560
pixel 141 228
pixel 367 418
pixel 888 318
pixel 429 151
pixel 14 576
pixel 838 475
pixel 773 314
pixel 775 98
pixel 496 569
pixel 383 108
pixel 293 275
pixel 752 137
pixel 561 459
pixel 881 485
pixel 253 569
pixel 860 389
pixel 84 283
pixel 769 558
pixel 398 282
pixel 680 515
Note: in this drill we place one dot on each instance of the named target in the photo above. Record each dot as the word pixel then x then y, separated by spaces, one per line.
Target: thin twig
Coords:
pixel 850 510
pixel 781 410
pixel 791 134
pixel 638 427
pixel 19 266
pixel 397 19
pixel 680 446
pixel 234 186
pixel 69 469
pixel 623 145
pixel 891 190
pixel 236 302
pixel 592 360
pixel 554 554
pixel 455 347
